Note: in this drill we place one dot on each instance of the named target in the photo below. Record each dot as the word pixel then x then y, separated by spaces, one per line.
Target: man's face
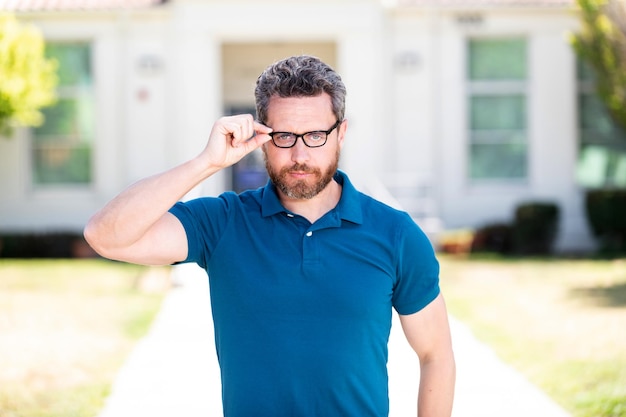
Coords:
pixel 301 172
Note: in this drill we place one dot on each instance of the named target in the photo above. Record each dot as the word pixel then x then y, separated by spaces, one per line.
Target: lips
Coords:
pixel 300 173
pixel 300 168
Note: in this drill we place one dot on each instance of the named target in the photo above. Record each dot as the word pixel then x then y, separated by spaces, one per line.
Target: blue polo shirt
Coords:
pixel 302 312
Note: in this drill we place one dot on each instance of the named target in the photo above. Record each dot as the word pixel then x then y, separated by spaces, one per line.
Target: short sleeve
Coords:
pixel 417 270
pixel 204 220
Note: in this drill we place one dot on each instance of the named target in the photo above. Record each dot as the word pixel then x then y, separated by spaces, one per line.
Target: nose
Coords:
pixel 299 151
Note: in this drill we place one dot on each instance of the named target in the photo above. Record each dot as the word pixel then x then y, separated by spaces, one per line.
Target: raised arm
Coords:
pixel 428 333
pixel 136 227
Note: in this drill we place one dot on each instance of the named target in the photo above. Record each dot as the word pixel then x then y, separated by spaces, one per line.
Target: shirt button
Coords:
pixel 289 215
pixel 309 234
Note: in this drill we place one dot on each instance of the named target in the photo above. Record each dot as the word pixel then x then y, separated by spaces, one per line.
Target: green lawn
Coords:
pixel 66 326
pixel 562 323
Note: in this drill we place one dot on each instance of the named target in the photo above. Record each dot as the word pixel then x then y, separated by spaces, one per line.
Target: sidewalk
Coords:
pixel 173 371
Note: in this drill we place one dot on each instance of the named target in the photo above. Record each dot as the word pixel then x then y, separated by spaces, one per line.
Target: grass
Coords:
pixel 67 326
pixel 562 323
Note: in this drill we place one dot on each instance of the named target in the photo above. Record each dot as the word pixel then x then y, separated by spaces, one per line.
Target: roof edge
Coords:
pixel 76 5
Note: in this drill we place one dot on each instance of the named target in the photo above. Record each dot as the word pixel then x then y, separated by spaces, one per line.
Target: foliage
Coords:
pixel 602 45
pixel 494 238
pixel 44 245
pixel 27 78
pixel 605 213
pixel 532 231
pixel 535 227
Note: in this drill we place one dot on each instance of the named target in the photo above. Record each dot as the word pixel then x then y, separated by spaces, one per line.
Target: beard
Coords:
pixel 301 189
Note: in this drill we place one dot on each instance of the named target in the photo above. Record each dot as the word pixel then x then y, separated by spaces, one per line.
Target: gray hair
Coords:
pixel 299 76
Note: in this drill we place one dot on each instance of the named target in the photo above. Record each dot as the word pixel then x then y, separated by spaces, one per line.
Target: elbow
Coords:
pixel 94 236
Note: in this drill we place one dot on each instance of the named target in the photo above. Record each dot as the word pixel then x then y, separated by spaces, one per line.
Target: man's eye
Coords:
pixel 315 136
pixel 283 137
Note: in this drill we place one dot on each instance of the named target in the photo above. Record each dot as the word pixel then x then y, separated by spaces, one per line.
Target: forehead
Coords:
pixel 298 113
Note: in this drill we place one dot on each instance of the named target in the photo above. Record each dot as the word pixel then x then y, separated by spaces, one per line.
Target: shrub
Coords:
pixel 494 237
pixel 28 80
pixel 535 227
pixel 606 214
pixel 44 245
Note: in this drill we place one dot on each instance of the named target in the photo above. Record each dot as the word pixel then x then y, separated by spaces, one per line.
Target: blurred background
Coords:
pixel 499 125
pixel 459 111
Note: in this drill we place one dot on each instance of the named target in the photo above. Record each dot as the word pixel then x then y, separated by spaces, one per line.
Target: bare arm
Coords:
pixel 136 227
pixel 428 333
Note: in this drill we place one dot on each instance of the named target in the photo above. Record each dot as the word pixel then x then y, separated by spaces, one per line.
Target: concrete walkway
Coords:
pixel 173 371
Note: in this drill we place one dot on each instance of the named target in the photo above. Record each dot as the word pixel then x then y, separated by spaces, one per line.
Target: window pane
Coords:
pixel 593 114
pixel 498 161
pixel 59 119
pixel 497 59
pixel 61 147
pixel 74 63
pixel 55 164
pixel 619 173
pixel 584 71
pixel 498 112
pixel 602 156
pixel 70 117
pixel 600 166
pixel 592 164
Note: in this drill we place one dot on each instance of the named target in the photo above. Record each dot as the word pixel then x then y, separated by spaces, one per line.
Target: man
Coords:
pixel 303 272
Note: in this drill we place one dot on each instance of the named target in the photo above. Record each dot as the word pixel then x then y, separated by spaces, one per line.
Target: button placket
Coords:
pixel 310 248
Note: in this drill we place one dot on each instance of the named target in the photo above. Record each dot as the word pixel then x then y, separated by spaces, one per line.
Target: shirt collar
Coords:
pixel 348 208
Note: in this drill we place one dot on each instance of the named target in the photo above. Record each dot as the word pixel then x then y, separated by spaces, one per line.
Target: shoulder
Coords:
pixel 386 219
pixel 383 213
pixel 363 208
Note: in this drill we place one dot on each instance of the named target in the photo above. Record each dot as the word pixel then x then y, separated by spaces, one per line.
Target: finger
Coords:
pixel 243 129
pixel 261 128
pixel 250 129
pixel 257 141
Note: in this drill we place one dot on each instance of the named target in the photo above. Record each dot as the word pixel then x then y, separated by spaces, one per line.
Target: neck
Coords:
pixel 314 208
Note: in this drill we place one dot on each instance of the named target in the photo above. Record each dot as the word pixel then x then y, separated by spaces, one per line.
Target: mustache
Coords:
pixel 300 168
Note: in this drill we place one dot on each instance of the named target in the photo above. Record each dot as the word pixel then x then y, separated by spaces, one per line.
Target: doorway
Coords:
pixel 242 63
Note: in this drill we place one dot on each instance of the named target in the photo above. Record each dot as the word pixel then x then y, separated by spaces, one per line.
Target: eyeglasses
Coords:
pixel 313 139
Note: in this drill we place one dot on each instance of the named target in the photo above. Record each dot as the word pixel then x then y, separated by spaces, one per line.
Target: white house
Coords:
pixel 459 109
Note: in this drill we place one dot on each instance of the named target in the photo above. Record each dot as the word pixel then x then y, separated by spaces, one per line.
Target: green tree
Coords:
pixel 27 78
pixel 602 45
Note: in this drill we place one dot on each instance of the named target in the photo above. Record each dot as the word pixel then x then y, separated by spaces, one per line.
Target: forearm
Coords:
pixel 135 227
pixel 436 391
pixel 126 218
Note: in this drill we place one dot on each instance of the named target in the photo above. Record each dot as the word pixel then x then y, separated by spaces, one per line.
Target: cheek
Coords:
pixel 273 156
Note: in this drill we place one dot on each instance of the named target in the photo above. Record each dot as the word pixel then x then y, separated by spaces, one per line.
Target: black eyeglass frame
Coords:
pixel 325 132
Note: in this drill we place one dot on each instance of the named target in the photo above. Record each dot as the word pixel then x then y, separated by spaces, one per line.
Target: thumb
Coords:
pixel 260 128
pixel 261 136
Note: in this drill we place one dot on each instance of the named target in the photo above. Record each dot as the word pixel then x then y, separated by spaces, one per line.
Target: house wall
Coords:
pixel 158 89
pixel 430 117
pixel 160 74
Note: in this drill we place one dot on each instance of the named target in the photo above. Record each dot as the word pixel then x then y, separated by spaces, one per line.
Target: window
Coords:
pixel 62 146
pixel 497 109
pixel 602 155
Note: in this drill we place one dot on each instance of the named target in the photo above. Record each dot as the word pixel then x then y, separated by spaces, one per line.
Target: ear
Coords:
pixel 264 148
pixel 343 127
